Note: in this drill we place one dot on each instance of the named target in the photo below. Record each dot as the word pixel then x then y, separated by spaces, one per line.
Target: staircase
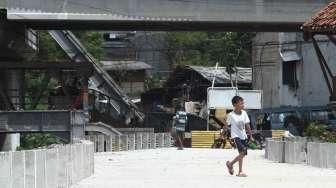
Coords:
pixel 120 105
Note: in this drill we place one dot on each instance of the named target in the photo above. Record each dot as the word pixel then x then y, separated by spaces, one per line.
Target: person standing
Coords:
pixel 180 122
pixel 239 122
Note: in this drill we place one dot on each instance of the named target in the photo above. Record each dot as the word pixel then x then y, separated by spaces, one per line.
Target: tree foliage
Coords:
pixel 37 140
pixel 93 42
pixel 208 48
pixel 321 132
pixel 49 50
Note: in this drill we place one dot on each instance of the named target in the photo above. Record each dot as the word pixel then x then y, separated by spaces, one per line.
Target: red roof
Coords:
pixel 322 22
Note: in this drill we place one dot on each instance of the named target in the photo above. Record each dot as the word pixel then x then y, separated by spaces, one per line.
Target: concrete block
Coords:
pixel 62 167
pixel 18 169
pixel 138 141
pixel 124 142
pixel 159 140
pixel 145 138
pixel 152 139
pixel 108 140
pixel 101 143
pixel 30 165
pixel 69 164
pixel 40 168
pixel 87 153
pixel 5 169
pixel 131 141
pixel 91 160
pixel 51 168
pixel 117 143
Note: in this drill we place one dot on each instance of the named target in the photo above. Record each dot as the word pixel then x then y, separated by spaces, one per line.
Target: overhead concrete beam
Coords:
pixel 257 15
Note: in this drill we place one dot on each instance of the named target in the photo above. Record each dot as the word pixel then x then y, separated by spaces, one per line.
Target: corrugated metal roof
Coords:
pixel 323 21
pixel 287 56
pixel 125 65
pixel 222 76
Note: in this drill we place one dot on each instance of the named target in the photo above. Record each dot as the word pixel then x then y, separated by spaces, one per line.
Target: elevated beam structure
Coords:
pixel 247 15
pixel 69 122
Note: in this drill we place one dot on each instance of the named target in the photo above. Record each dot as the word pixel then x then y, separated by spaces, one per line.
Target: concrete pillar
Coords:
pixel 14 85
pixel 12 141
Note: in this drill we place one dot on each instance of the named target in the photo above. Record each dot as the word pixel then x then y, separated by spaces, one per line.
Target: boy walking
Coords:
pixel 239 122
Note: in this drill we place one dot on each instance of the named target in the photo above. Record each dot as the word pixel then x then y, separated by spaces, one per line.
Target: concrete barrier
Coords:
pixel 128 142
pixel 59 167
pixel 299 150
pixel 322 155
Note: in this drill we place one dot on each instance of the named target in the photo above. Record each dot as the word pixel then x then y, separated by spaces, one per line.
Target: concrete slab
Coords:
pixel 168 167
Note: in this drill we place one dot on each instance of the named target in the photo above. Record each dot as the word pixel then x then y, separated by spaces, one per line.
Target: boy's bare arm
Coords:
pixel 226 126
pixel 249 131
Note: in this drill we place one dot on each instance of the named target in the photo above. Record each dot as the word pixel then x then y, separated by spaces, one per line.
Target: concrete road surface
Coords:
pixel 199 168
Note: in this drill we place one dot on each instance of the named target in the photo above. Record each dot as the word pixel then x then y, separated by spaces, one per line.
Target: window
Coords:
pixel 289 73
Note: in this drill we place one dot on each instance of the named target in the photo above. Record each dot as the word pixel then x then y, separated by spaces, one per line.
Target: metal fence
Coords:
pixel 57 167
pixel 300 150
pixel 128 142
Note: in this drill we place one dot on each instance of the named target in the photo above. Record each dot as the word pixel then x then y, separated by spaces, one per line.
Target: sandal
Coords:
pixel 230 168
pixel 241 174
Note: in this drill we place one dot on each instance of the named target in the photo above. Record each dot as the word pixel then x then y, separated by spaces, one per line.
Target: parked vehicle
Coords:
pixel 293 119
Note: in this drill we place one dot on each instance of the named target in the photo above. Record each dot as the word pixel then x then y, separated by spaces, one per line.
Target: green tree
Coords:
pixel 49 50
pixel 93 42
pixel 207 48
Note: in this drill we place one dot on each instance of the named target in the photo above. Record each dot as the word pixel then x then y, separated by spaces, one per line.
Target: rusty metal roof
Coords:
pixel 322 22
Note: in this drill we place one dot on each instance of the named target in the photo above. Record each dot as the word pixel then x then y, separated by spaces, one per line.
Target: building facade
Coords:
pixel 286 69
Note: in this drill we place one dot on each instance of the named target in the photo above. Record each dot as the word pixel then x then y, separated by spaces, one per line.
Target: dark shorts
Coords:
pixel 180 134
pixel 241 145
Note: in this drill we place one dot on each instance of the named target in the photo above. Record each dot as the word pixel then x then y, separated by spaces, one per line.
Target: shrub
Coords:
pixel 37 140
pixel 321 132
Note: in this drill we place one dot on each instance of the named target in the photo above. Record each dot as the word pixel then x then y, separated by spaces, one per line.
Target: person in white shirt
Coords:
pixel 239 122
